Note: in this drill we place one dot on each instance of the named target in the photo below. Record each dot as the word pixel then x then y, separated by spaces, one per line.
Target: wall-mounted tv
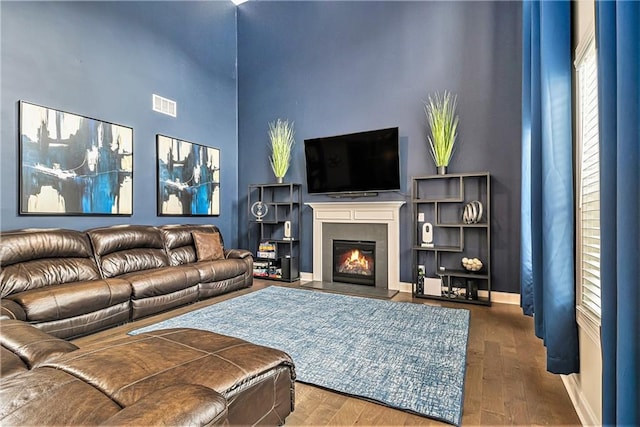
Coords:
pixel 360 162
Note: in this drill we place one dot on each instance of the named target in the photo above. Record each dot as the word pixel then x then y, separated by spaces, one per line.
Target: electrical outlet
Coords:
pixel 421 217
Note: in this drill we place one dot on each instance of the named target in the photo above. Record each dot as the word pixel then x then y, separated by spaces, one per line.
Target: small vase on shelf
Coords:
pixel 279 179
pixel 442 170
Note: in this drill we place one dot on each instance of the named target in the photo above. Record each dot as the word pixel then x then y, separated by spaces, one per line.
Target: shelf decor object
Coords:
pixel 443 124
pixel 259 210
pixel 457 209
pixel 188 178
pixel 73 165
pixel 274 230
pixel 472 264
pixel 472 212
pixel 281 136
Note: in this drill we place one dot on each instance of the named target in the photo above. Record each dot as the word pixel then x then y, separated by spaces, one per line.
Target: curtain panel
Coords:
pixel 618 51
pixel 547 235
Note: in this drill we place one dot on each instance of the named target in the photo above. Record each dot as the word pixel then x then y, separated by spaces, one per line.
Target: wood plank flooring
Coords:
pixel 506 381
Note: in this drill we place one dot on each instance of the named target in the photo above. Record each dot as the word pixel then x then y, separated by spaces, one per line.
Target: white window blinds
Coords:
pixel 589 179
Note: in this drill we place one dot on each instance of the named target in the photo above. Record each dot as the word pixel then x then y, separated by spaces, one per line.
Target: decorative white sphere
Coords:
pixel 472 264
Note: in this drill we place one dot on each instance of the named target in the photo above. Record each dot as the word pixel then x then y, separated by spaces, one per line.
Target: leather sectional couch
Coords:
pixel 169 377
pixel 58 284
pixel 72 283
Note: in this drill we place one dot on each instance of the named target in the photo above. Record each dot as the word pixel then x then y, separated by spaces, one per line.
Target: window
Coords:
pixel 588 182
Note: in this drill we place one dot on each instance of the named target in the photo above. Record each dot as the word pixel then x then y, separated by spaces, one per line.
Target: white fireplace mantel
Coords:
pixel 360 213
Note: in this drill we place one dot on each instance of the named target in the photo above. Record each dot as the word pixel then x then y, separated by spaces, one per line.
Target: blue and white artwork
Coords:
pixel 73 165
pixel 188 178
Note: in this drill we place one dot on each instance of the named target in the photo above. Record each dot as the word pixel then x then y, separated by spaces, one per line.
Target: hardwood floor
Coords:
pixel 506 381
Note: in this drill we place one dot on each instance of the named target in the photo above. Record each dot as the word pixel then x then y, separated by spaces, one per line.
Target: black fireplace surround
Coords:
pixel 354 262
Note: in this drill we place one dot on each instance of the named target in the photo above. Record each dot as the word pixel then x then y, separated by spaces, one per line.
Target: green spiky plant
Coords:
pixel 281 135
pixel 443 123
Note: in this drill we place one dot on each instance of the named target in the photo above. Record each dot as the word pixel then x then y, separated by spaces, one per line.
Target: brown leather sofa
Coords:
pixel 72 283
pixel 166 377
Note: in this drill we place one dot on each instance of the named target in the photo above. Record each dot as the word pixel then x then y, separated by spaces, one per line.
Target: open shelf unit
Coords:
pixel 277 233
pixel 438 272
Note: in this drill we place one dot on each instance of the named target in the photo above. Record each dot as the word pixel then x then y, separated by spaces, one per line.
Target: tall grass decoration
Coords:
pixel 443 122
pixel 281 135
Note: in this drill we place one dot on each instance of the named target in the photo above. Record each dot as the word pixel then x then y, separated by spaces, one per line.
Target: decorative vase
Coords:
pixel 279 179
pixel 442 170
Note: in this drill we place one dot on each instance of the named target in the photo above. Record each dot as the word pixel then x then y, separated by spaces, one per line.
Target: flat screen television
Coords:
pixel 362 162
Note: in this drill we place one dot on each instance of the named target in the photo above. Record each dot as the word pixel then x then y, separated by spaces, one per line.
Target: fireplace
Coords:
pixel 354 262
pixel 364 221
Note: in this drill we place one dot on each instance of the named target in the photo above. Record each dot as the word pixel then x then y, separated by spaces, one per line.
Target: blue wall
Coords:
pixel 105 60
pixel 332 67
pixel 340 67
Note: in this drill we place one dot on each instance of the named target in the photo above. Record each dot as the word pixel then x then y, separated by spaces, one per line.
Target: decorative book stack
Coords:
pixel 267 250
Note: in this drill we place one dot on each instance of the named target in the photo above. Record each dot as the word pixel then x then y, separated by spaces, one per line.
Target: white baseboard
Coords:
pixel 306 277
pixel 505 298
pixel 405 287
pixel 580 403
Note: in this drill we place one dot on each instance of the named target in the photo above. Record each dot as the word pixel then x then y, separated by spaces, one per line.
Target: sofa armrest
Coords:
pixel 11 310
pixel 237 253
pixel 30 344
pixel 176 405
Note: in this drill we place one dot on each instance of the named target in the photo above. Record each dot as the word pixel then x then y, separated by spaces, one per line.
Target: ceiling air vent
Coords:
pixel 164 106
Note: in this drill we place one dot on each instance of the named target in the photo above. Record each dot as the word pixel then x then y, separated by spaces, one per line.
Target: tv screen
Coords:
pixel 353 163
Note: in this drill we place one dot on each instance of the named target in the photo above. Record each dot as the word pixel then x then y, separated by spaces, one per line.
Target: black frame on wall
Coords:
pixel 188 178
pixel 72 164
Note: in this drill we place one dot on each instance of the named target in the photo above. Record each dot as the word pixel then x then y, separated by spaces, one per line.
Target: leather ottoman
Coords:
pixel 171 376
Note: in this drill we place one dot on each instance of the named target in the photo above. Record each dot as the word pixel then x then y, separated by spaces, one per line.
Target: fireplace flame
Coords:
pixel 355 263
pixel 357 259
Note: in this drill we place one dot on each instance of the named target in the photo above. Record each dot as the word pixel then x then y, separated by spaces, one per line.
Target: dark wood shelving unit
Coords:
pixel 441 200
pixel 284 204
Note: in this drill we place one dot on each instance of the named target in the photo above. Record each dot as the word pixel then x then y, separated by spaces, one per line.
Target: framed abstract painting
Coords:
pixel 73 165
pixel 188 178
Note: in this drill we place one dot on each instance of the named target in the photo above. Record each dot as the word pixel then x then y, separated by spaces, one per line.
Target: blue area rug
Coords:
pixel 407 356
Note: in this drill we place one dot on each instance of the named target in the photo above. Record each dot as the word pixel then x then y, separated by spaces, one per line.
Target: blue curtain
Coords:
pixel 547 235
pixel 618 43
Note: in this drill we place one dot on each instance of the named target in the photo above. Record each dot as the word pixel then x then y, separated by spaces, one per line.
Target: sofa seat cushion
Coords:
pixel 52 397
pixel 212 289
pixel 129 368
pixel 46 396
pixel 71 299
pixel 85 324
pixel 161 289
pixel 213 271
pixel 176 405
pixel 161 281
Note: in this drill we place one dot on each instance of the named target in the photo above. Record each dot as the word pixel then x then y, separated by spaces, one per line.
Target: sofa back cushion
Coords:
pixel 208 246
pixel 127 248
pixel 34 258
pixel 179 241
